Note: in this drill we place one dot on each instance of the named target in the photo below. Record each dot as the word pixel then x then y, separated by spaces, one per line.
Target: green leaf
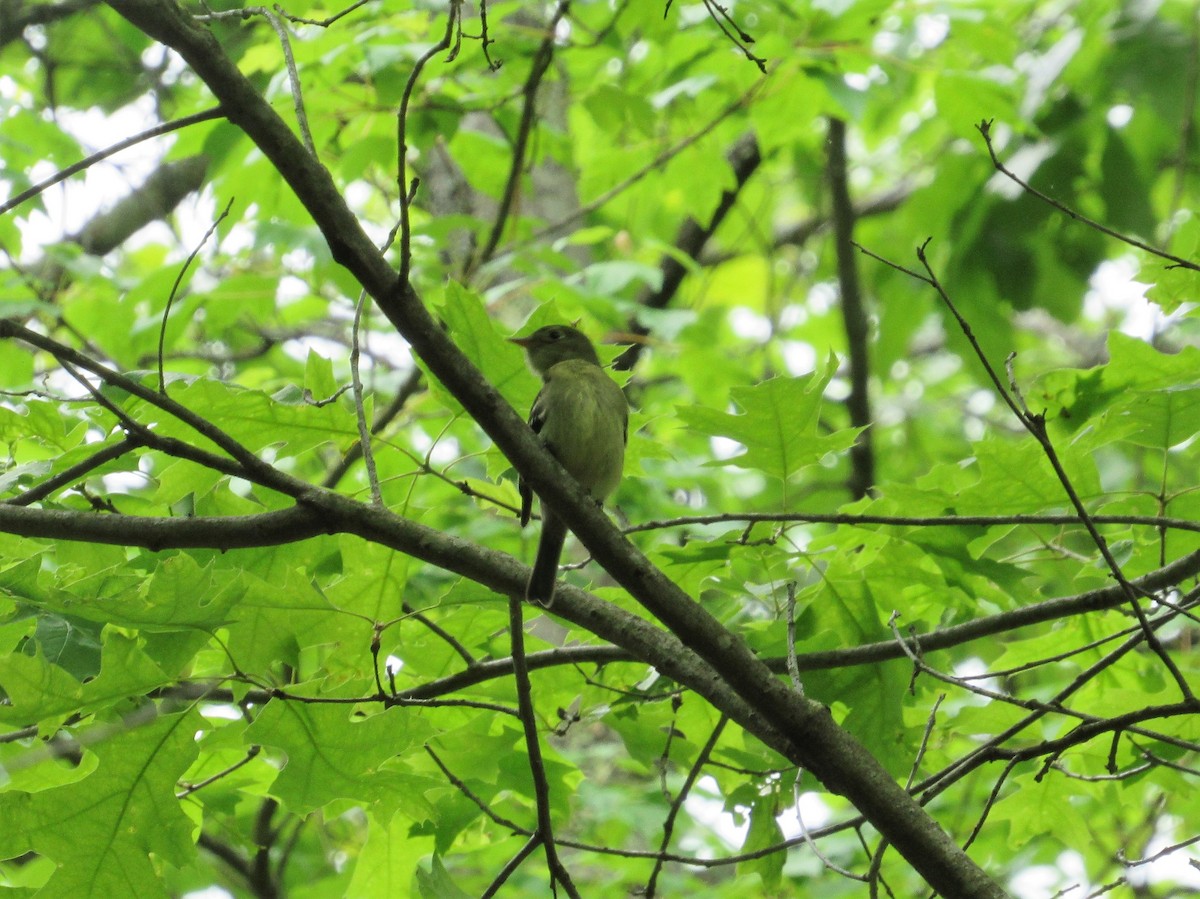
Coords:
pixel 388 863
pixel 111 832
pixel 778 425
pixel 36 689
pixel 1135 363
pixel 436 883
pixel 1018 477
pixel 764 832
pixel 282 611
pixel 284 421
pixel 1040 807
pixel 334 753
pixel 318 377
pixel 1125 189
pixel 501 362
pixel 1159 419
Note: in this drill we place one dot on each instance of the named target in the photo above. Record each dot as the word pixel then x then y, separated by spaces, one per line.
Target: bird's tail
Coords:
pixel 540 588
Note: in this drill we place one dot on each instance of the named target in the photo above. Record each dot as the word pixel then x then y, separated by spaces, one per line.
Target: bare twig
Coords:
pixel 483 806
pixel 406 189
pixel 929 722
pixel 75 472
pixel 206 115
pixel 189 789
pixel 439 631
pixel 985 129
pixel 689 782
pixel 326 22
pixel 249 465
pixel 285 43
pixel 360 414
pixel 720 15
pixel 407 389
pixel 990 749
pixel 484 40
pixel 955 521
pixel 658 162
pixel 162 330
pixel 993 795
pixel 1035 424
pixel 511 866
pixel 854 314
pixel 793 666
pixel 537 70
pixel 537 767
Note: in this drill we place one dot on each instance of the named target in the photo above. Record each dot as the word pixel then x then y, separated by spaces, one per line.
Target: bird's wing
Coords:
pixel 537 420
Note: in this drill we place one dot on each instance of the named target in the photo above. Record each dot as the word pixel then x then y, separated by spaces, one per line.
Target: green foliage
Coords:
pixel 778 426
pixel 196 693
pixel 107 831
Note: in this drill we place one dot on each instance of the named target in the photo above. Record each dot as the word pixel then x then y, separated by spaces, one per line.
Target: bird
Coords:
pixel 582 418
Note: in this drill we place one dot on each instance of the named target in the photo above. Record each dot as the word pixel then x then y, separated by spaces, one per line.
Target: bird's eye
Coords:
pixel 555 334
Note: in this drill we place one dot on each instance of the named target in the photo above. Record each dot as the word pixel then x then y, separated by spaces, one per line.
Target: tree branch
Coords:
pixel 537 70
pixel 854 314
pixel 533 747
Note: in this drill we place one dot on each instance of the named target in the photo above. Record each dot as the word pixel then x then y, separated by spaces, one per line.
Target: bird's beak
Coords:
pixel 522 342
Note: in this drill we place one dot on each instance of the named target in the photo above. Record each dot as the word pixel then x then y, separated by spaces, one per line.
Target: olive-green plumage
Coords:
pixel 582 417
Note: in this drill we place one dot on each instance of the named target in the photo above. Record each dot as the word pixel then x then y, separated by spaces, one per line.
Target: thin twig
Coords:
pixel 285 43
pixel 720 15
pixel 439 631
pixel 326 22
pixel 693 861
pixel 689 782
pixel 249 465
pixel 162 330
pixel 483 806
pixel 75 472
pixel 792 666
pixel 537 70
pixel 406 189
pixel 388 700
pixel 993 795
pixel 1162 853
pixel 929 722
pixel 937 782
pixel 206 115
pixel 360 414
pixel 985 129
pixel 511 866
pixel 1035 424
pixel 189 789
pixel 810 840
pixel 537 767
pixel 408 388
pixel 955 521
pixel 873 871
pixel 658 162
pixel 484 40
